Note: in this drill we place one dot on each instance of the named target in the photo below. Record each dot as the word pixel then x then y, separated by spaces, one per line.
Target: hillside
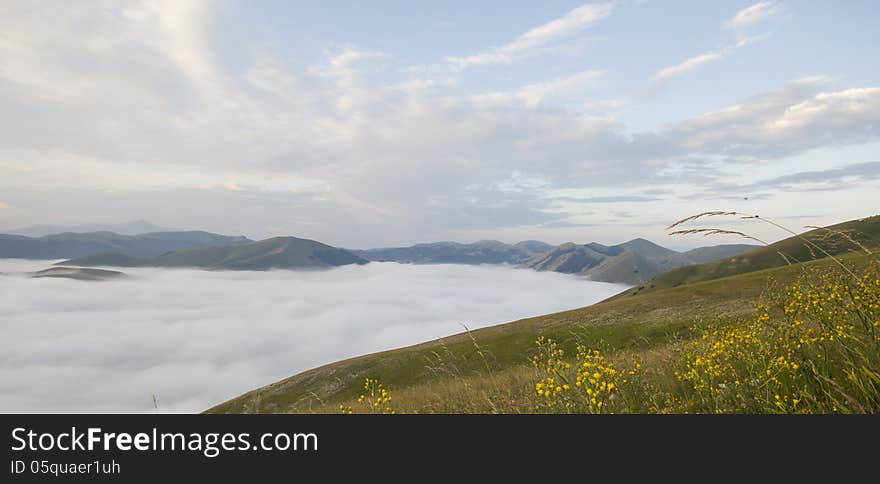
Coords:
pixel 834 239
pixel 482 252
pixel 69 245
pixel 632 262
pixel 274 253
pixel 432 373
pixel 441 375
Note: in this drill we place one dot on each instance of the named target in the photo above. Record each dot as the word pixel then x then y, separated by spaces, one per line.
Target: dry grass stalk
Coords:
pixel 708 232
pixel 714 231
pixel 843 234
pixel 713 213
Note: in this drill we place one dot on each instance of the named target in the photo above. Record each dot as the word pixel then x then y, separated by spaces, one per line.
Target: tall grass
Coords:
pixel 812 346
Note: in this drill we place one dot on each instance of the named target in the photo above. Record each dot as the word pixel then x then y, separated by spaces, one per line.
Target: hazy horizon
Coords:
pixel 680 244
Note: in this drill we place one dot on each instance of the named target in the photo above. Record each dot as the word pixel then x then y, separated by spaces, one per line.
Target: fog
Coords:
pixel 196 338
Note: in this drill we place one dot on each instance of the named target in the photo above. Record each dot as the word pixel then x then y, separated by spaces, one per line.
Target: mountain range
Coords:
pixel 861 235
pixel 632 262
pixel 67 245
pixel 482 252
pixel 274 253
pixel 127 228
pixel 647 323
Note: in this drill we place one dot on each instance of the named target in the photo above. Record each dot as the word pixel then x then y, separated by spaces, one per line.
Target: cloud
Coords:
pixel 349 148
pixel 801 116
pixel 854 172
pixel 687 65
pixel 753 15
pixel 539 37
pixel 534 94
pixel 556 91
pixel 197 338
pixel 842 178
pixel 831 179
pixel 609 199
pixel 563 224
pixel 741 21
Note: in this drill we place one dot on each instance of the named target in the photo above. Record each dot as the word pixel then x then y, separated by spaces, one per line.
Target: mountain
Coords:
pixel 128 228
pixel 68 245
pixel 78 273
pixel 835 239
pixel 482 252
pixel 533 246
pixel 274 253
pixel 632 262
pixel 647 326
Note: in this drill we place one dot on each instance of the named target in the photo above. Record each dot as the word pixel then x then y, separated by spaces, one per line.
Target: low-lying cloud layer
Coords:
pixel 196 338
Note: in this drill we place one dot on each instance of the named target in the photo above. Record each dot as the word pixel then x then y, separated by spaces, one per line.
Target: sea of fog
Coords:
pixel 196 338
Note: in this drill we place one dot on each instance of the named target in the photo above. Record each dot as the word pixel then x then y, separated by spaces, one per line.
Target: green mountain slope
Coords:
pixel 645 322
pixel 632 262
pixel 835 239
pixel 640 323
pixel 274 253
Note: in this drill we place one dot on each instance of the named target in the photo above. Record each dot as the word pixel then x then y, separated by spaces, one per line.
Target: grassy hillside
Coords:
pixel 632 262
pixel 644 324
pixel 791 250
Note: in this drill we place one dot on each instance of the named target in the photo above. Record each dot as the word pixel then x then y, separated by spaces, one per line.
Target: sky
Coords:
pixel 365 124
pixel 191 337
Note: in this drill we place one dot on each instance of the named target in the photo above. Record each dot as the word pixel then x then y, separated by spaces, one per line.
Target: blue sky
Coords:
pixel 383 123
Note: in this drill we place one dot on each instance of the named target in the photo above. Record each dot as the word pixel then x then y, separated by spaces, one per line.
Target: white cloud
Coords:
pixel 181 30
pixel 556 90
pixel 534 94
pixel 744 19
pixel 753 15
pixel 539 37
pixel 352 140
pixel 687 65
pixel 197 338
pixel 801 116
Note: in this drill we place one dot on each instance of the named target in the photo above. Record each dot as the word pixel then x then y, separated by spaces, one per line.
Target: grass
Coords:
pixel 488 370
pixel 835 240
pixel 716 338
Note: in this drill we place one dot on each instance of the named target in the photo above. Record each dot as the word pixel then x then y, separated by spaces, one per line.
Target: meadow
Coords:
pixel 796 338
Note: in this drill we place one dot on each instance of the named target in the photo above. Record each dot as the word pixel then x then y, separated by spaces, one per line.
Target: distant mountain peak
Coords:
pixel 73 244
pixel 273 253
pixel 631 262
pixel 135 227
